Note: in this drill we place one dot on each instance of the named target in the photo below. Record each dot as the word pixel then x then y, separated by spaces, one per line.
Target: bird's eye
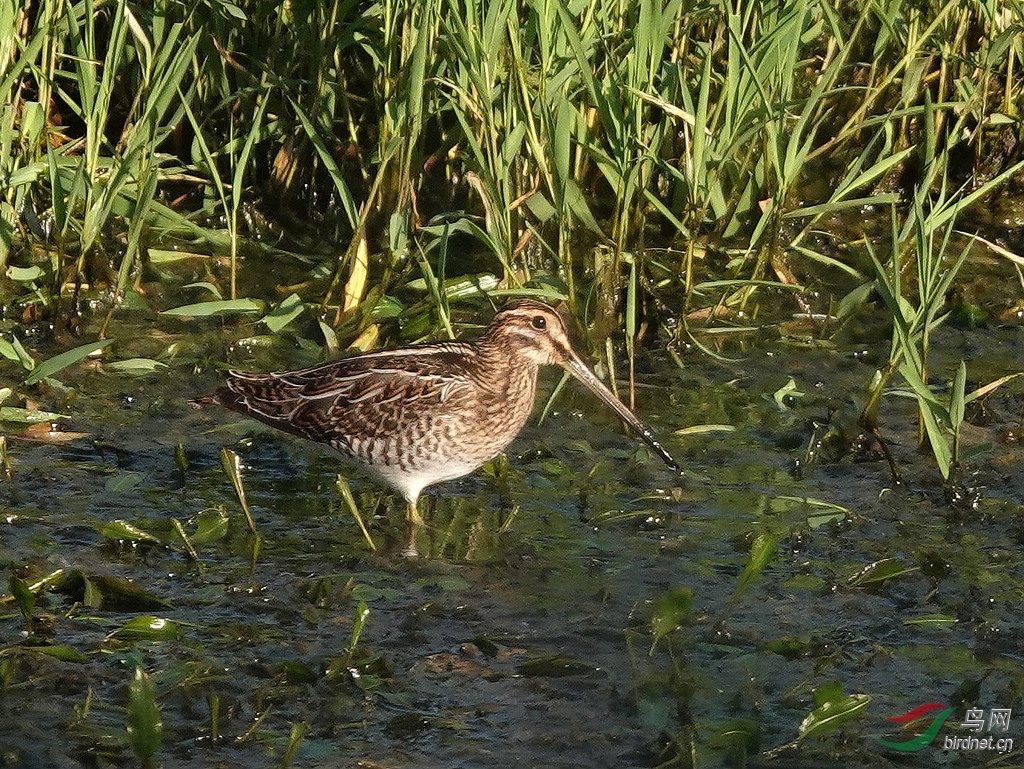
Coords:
pixel 539 322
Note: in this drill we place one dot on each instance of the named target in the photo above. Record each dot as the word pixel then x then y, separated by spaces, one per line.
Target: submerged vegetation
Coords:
pixel 190 182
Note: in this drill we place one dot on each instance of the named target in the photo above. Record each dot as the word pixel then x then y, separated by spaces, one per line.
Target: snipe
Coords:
pixel 425 414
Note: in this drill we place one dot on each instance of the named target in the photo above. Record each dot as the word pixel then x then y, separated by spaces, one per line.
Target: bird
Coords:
pixel 416 416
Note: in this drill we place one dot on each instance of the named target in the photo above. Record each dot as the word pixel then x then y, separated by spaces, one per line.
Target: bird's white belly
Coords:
pixel 409 482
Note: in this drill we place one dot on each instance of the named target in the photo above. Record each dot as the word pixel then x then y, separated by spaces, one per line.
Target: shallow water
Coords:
pixel 525 639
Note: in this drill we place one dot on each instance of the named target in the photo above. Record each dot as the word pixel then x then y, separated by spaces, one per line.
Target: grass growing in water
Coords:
pixel 606 126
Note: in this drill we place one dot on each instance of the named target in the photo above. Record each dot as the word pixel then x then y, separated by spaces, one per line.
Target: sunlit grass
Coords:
pixel 555 126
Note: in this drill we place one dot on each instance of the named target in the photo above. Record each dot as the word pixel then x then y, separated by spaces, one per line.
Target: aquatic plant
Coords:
pixel 559 140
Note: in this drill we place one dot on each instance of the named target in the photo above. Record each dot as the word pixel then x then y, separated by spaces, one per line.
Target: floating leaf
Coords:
pixel 670 609
pixel 135 366
pixel 211 526
pixel 555 667
pixel 46 432
pixel 580 445
pixel 133 300
pixel 60 362
pixel 819 512
pixel 220 307
pixel 148 628
pixel 28 416
pixel 289 309
pixel 144 726
pixel 817 520
pixel 296 672
pixel 60 651
pixel 128 532
pixel 97 591
pixel 804 582
pixel 879 571
pixel 832 714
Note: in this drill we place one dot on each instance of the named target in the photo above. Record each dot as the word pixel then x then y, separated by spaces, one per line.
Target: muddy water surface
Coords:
pixel 525 640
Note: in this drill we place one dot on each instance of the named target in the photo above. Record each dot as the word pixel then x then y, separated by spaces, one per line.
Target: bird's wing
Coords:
pixel 368 396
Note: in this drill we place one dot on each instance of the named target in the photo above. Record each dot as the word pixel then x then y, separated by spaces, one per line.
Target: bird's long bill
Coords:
pixel 577 368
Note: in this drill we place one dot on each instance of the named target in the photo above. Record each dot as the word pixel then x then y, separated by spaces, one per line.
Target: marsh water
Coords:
pixel 524 636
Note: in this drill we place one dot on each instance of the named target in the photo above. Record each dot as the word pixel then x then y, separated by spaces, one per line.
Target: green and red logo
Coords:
pixel 924 739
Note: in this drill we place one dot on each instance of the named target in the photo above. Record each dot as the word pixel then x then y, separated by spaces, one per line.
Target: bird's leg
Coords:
pixel 413 524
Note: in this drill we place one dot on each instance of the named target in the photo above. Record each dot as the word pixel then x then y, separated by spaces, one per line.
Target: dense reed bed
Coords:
pixel 650 163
